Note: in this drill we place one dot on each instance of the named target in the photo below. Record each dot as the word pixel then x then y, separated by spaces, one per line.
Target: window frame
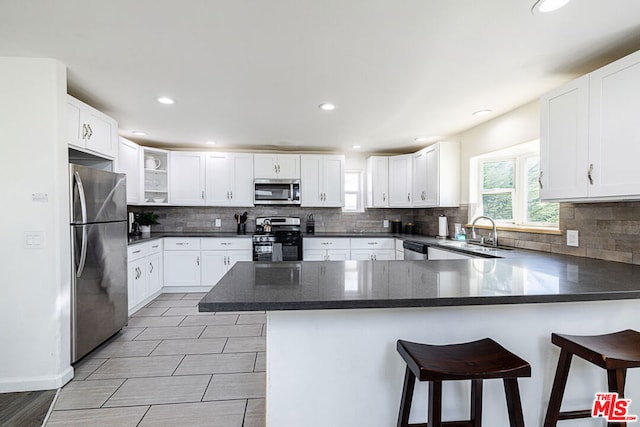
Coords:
pixel 359 192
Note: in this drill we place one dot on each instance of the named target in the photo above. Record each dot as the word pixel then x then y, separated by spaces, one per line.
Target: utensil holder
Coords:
pixel 242 228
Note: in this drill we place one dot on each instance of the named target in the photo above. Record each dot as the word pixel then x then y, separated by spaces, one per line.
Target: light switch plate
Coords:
pixel 218 222
pixel 572 238
pixel 34 239
pixel 385 223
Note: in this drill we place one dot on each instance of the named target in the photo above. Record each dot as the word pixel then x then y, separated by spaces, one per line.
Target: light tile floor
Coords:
pixel 171 365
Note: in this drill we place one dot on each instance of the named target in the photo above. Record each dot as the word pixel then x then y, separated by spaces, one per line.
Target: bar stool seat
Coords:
pixel 475 361
pixel 614 352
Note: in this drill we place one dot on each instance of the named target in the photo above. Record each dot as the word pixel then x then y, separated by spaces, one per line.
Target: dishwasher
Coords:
pixel 414 250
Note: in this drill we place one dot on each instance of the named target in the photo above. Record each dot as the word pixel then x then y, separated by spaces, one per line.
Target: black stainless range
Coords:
pixel 277 239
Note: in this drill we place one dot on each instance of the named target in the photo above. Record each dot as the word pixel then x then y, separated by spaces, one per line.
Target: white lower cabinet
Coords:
pixel 326 249
pixel 373 249
pixel 220 254
pixel 182 263
pixel 144 273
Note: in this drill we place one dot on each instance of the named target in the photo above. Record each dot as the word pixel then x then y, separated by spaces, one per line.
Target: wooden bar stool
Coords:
pixel 475 361
pixel 614 352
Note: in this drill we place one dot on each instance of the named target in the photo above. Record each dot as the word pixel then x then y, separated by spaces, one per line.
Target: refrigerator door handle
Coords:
pixel 83 208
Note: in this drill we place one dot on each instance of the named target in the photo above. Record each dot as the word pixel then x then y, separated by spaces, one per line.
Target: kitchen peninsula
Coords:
pixel 332 329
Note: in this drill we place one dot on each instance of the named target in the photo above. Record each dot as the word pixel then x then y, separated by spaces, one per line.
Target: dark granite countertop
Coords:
pixel 533 278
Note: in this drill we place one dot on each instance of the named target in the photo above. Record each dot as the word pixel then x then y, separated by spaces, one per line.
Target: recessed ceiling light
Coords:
pixel 355 147
pixel 480 113
pixel 211 142
pixel 166 100
pixel 545 6
pixel 421 139
pixel 327 106
pixel 138 132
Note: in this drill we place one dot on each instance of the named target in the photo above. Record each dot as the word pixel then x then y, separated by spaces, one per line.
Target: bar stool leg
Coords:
pixel 476 403
pixel 514 405
pixel 407 397
pixel 557 390
pixel 435 404
pixel 616 379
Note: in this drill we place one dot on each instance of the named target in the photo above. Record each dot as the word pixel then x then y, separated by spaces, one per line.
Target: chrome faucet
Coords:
pixel 493 240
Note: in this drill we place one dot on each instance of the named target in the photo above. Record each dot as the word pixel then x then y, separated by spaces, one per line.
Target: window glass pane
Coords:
pixel 497 174
pixel 498 206
pixel 538 211
pixel 352 181
pixel 350 201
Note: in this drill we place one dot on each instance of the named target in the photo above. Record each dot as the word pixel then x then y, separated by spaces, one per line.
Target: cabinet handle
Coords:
pixel 231 193
pixel 84 131
pixel 198 260
pixel 182 243
pixel 589 174
pixel 408 197
pixel 384 197
pixel 150 267
pixel 227 195
pixel 372 243
pixel 202 196
pixel 90 131
pixel 540 180
pixel 137 252
pixel 155 246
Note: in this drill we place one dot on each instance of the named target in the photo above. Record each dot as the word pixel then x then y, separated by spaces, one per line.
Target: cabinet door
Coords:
pixel 332 176
pixel 102 133
pixel 136 281
pixel 218 184
pixel 129 164
pixel 214 266
pixel 241 176
pixel 314 255
pixel 419 166
pixel 432 177
pixel 338 255
pixel 385 255
pixel 75 136
pixel 361 255
pixel 564 142
pixel 288 166
pixel 437 254
pixel 378 182
pixel 235 256
pixel 154 274
pixel 614 128
pixel 264 166
pixel 400 176
pixel 310 180
pixel 182 268
pixel 186 177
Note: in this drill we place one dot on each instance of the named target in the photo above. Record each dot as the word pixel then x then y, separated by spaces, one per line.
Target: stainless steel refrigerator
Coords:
pixel 99 257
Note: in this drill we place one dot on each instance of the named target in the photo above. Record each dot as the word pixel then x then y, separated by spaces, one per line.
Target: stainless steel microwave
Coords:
pixel 276 192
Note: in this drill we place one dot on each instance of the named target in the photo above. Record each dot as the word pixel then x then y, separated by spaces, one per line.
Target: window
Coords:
pixel 508 189
pixel 353 192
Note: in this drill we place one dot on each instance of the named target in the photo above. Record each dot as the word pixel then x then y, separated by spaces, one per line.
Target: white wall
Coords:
pixel 34 291
pixel 515 127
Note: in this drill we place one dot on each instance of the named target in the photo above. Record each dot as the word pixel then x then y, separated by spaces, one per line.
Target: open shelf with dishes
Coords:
pixel 155 164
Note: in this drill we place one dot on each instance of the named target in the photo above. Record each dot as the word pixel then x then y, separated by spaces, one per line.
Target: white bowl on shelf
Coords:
pixel 158 199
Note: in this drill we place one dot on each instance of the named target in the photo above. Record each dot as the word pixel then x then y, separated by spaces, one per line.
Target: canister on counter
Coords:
pixel 410 228
pixel 396 226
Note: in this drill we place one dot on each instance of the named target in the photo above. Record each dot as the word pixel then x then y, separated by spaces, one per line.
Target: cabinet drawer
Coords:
pixel 399 246
pixel 325 243
pixel 214 243
pixel 372 243
pixel 181 244
pixel 155 246
pixel 137 251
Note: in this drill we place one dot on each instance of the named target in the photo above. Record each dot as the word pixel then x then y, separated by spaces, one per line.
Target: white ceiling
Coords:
pixel 251 73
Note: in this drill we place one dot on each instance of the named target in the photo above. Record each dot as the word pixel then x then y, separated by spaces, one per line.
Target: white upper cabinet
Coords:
pixel 564 141
pixel 590 136
pixel 276 166
pixel 378 182
pixel 155 175
pixel 436 175
pixel 400 181
pixel 129 164
pixel 90 130
pixel 229 179
pixel 187 178
pixel 322 180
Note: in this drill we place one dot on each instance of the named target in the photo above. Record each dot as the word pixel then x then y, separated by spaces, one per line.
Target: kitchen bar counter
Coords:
pixel 332 329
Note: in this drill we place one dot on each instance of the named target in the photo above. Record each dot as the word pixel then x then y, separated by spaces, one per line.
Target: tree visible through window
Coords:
pixel 510 192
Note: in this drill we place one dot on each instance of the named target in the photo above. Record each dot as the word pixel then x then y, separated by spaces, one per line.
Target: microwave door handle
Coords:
pixel 83 209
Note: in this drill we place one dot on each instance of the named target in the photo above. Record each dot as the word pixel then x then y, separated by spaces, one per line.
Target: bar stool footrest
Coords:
pixel 572 415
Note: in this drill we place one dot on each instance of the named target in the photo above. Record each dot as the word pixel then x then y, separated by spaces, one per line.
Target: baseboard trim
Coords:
pixel 14 385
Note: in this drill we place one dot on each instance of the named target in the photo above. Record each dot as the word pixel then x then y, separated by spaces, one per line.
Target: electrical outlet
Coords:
pixel 385 223
pixel 572 238
pixel 218 222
